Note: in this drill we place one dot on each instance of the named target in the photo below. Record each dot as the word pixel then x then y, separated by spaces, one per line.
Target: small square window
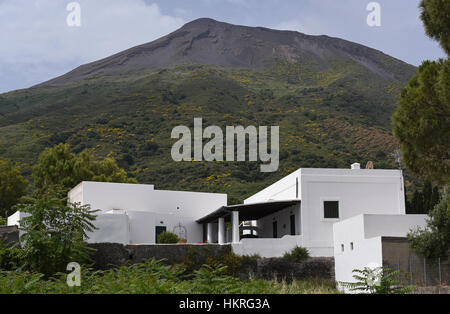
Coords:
pixel 331 209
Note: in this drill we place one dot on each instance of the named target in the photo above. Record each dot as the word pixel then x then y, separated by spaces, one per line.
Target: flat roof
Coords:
pixel 248 212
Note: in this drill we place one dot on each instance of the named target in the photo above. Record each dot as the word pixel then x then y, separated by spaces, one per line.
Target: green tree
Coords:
pixel 417 203
pixel 435 197
pixel 427 192
pixel 54 234
pixel 435 16
pixel 434 240
pixel 58 166
pixel 12 186
pixel 422 121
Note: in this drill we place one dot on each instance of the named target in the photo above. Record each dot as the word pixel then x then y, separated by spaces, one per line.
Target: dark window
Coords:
pixel 275 229
pixel 331 209
pixel 292 218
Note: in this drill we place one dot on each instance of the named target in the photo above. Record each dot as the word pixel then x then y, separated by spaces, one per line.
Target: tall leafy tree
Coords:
pixel 58 166
pixel 435 16
pixel 12 186
pixel 422 119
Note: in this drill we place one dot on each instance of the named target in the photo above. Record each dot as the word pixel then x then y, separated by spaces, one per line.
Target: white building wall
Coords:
pixel 283 223
pixel 357 190
pixel 360 238
pixel 141 197
pixel 112 228
pixel 145 208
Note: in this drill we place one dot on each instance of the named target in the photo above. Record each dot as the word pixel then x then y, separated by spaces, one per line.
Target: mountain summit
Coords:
pixel 209 42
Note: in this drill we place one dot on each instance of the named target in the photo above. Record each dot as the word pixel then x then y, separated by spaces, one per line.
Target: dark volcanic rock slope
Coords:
pixel 209 42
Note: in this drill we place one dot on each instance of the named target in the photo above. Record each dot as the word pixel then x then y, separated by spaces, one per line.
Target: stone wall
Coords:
pixel 108 255
pixel 9 235
pixel 282 269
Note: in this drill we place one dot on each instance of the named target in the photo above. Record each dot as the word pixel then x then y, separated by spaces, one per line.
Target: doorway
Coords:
pixel 275 229
pixel 292 221
pixel 158 231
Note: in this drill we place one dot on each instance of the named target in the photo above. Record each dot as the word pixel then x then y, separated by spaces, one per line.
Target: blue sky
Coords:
pixel 37 45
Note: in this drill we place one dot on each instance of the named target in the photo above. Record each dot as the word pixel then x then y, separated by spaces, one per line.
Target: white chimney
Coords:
pixel 356 166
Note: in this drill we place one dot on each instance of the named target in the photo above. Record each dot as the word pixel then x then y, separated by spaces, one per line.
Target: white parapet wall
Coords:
pixel 112 228
pixel 358 240
pixel 267 247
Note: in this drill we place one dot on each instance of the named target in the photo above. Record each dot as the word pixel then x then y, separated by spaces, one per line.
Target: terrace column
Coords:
pixel 221 230
pixel 209 237
pixel 235 227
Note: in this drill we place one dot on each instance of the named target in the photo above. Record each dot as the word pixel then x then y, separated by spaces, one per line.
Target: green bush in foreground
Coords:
pixel 298 254
pixel 167 238
pixel 54 234
pixel 377 280
pixel 154 277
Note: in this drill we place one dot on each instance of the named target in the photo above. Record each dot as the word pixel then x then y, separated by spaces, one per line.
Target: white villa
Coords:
pixel 331 212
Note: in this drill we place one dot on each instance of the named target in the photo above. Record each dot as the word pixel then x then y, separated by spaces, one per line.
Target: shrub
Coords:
pixel 167 238
pixel 434 241
pixel 54 234
pixel 377 280
pixel 9 256
pixel 2 221
pixel 298 254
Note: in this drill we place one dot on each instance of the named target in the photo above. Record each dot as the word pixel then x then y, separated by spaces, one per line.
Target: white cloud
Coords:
pixel 37 44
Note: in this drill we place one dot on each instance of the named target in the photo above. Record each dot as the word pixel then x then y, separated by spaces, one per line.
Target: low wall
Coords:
pixel 108 255
pixel 282 269
pixel 10 234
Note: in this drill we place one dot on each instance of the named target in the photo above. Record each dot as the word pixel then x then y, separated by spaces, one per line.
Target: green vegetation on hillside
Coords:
pixel 12 186
pixel 328 118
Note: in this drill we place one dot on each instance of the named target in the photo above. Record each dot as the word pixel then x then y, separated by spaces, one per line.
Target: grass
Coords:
pixel 154 277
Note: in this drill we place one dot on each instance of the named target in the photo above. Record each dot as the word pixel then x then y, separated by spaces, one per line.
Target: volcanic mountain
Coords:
pixel 331 98
pixel 206 41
